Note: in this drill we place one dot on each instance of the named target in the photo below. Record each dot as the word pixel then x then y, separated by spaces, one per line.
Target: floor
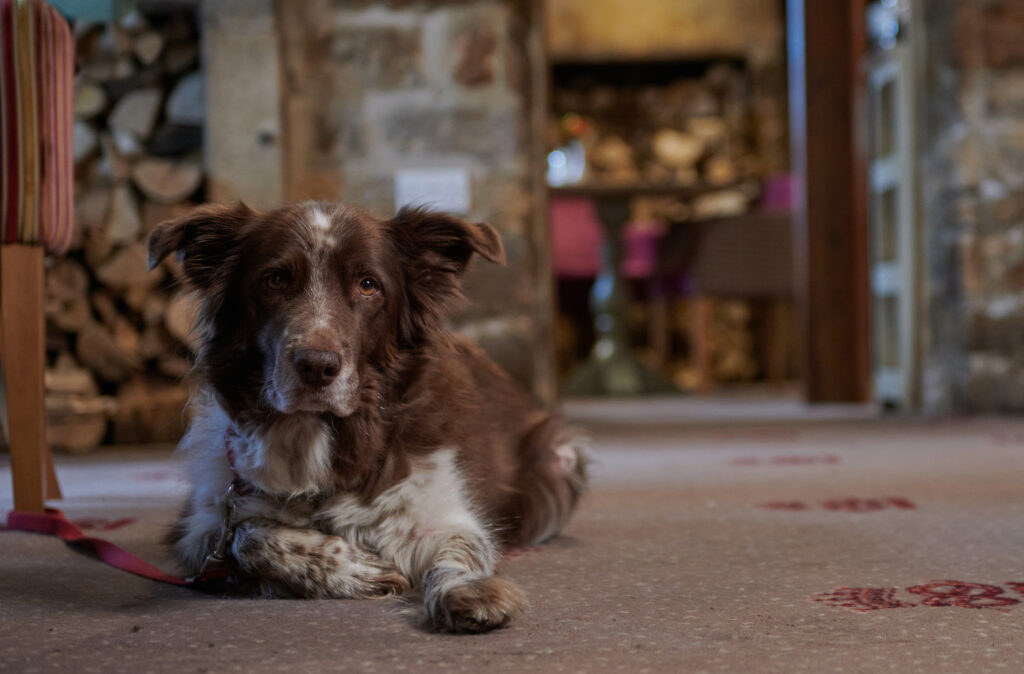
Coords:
pixel 719 536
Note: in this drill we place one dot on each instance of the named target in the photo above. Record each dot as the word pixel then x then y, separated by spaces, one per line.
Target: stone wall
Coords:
pixel 972 137
pixel 366 89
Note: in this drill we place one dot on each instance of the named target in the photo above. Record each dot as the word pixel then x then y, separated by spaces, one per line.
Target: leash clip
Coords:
pixel 218 557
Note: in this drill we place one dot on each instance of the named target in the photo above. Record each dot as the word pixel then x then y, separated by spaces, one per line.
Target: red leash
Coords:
pixel 54 523
pixel 212 573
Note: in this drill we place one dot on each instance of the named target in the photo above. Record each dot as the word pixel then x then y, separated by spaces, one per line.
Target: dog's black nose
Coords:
pixel 317 368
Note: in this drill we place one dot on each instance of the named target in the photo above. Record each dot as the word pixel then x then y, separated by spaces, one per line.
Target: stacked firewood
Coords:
pixel 693 132
pixel 696 132
pixel 118 335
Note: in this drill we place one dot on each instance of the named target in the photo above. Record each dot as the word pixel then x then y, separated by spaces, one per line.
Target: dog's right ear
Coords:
pixel 202 240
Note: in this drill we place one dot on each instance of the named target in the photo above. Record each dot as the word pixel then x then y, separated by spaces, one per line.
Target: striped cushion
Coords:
pixel 36 89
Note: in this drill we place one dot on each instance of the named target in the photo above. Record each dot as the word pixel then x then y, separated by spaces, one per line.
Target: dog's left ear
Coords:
pixel 444 240
pixel 436 249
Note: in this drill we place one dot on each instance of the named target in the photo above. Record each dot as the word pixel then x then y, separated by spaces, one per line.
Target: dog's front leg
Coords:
pixel 308 563
pixel 460 591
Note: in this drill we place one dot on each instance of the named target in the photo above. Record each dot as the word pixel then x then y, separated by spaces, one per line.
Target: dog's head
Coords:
pixel 301 307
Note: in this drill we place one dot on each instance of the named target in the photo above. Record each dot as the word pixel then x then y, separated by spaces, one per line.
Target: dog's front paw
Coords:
pixel 477 606
pixel 307 563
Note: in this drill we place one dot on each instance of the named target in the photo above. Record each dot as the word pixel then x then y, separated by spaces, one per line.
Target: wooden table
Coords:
pixel 611 369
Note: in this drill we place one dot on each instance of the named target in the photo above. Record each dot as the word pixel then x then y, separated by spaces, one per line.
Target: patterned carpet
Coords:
pixel 758 539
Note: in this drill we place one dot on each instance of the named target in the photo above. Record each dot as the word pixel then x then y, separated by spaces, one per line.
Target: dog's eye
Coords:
pixel 277 280
pixel 368 287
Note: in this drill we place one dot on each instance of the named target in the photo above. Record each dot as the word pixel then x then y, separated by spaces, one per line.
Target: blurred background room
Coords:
pixel 706 198
pixel 770 253
pixel 722 199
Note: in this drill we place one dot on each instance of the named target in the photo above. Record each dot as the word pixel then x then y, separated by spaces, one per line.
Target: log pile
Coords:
pixel 693 132
pixel 117 334
pixel 697 132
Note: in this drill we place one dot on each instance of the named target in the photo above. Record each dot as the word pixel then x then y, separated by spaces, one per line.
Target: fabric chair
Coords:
pixel 36 215
pixel 747 257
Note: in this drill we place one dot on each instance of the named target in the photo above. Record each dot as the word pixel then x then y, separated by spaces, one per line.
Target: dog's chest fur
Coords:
pixel 293 461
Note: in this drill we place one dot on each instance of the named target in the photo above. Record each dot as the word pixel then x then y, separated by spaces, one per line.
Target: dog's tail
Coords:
pixel 552 478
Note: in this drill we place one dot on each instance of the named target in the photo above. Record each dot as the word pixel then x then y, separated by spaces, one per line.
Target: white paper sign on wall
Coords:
pixel 439 189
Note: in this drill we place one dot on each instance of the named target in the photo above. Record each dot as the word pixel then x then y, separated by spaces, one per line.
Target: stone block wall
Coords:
pixel 972 136
pixel 365 89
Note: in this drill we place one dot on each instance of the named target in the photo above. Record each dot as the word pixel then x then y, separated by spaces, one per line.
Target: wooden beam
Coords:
pixel 243 116
pixel 311 168
pixel 826 41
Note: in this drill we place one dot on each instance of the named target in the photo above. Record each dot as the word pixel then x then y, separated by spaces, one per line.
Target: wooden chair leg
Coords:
pixel 661 330
pixel 700 339
pixel 21 317
pixel 775 336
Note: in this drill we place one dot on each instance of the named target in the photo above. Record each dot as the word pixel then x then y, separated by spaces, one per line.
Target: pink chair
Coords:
pixel 576 238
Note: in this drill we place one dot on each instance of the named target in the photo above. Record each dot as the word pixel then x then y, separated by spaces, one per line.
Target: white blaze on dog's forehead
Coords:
pixel 319 219
pixel 320 222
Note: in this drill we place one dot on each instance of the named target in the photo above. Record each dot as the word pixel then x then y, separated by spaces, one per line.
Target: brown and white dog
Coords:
pixel 374 451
